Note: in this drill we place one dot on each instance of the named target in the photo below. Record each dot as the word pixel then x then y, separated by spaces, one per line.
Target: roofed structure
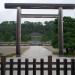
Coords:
pixel 35 34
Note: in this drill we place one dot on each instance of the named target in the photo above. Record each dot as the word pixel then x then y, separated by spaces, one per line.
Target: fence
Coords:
pixel 34 68
pixel 24 44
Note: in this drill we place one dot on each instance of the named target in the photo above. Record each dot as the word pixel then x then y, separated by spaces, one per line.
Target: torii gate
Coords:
pixel 20 6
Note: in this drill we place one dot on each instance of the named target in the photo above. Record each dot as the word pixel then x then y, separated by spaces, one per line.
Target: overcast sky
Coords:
pixel 10 14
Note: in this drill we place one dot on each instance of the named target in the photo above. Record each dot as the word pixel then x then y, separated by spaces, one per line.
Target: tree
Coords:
pixel 7 31
pixel 69 33
pixel 26 38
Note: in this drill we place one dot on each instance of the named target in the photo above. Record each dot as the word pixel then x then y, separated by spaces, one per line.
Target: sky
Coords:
pixel 10 14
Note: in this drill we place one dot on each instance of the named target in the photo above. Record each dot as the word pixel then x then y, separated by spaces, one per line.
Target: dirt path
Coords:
pixel 37 52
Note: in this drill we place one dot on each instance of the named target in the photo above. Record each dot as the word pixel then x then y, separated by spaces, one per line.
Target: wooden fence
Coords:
pixel 24 44
pixel 34 67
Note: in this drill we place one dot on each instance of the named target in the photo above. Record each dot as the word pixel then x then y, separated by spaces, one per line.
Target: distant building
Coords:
pixel 36 38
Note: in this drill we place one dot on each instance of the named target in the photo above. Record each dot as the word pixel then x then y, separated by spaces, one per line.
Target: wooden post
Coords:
pixel 19 67
pixel 42 67
pixel 3 60
pixel 72 67
pixel 57 67
pixel 65 66
pixel 18 32
pixel 34 66
pixel 26 66
pixel 60 32
pixel 11 66
pixel 49 65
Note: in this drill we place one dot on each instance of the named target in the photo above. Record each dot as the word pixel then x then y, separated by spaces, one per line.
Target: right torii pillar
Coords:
pixel 60 32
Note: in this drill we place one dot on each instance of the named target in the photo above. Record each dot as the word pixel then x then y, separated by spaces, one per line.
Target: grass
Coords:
pixel 56 52
pixel 70 54
pixel 10 51
pixel 53 50
pixel 1 54
pixel 9 55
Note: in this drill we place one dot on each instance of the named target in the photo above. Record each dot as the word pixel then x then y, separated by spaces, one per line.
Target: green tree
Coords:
pixel 69 33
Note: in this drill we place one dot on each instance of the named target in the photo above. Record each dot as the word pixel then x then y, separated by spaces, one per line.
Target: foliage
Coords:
pixel 69 33
pixel 26 38
pixel 48 29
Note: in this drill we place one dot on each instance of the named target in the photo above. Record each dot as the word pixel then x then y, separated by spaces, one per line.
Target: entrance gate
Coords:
pixel 20 6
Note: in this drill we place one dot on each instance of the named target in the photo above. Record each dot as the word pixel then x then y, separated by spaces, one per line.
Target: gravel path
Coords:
pixel 37 52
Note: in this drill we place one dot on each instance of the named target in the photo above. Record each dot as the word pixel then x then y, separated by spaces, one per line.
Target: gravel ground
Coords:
pixel 6 50
pixel 54 51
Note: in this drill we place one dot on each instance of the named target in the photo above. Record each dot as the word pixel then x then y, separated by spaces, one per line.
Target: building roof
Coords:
pixel 35 34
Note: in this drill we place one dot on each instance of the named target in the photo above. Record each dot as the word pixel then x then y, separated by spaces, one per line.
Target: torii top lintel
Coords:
pixel 38 6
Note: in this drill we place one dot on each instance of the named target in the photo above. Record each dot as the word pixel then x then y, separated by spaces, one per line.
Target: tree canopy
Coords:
pixel 49 29
pixel 69 33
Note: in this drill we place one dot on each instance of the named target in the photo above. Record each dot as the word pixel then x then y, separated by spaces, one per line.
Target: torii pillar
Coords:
pixel 60 32
pixel 18 32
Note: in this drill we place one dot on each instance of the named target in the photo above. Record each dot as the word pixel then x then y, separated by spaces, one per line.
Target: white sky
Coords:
pixel 10 14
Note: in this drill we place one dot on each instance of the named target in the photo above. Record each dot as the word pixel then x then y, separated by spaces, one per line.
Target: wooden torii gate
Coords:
pixel 20 6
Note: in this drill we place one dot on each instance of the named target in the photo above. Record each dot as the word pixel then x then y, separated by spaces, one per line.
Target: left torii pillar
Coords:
pixel 18 32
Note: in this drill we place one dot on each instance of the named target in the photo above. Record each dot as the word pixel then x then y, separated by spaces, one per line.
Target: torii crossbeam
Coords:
pixel 39 15
pixel 38 6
